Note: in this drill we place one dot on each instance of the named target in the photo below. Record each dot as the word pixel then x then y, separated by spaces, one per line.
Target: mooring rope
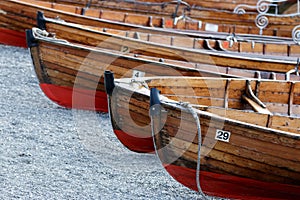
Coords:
pixel 295 70
pixel 141 83
pixel 191 110
pixel 39 33
pixel 197 119
pixel 43 34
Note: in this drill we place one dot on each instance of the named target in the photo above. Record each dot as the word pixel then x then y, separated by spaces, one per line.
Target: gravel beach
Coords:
pixel 49 152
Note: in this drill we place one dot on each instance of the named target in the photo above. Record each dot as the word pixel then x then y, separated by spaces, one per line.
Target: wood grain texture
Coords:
pixel 242 23
pixel 254 150
pixel 83 35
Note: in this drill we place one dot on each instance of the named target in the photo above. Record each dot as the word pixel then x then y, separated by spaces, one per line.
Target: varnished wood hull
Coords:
pixel 11 18
pixel 253 157
pixel 257 162
pixel 58 79
pixel 190 51
pixel 159 5
pixel 148 44
pixel 128 113
pixel 251 154
pixel 227 21
pixel 63 67
pixel 131 122
pixel 19 15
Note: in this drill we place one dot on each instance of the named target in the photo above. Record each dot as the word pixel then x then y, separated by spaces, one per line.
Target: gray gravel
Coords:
pixel 48 152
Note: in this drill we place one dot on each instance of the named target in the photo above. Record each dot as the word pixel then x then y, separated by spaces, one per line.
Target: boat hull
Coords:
pixel 12 38
pixel 136 144
pixel 76 98
pixel 251 165
pixel 63 68
pixel 215 184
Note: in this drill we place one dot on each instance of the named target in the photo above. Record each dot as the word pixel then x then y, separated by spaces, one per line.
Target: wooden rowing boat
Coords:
pixel 58 76
pixel 259 155
pixel 71 74
pixel 18 15
pixel 13 23
pixel 75 33
pixel 240 159
pixel 131 124
pixel 262 22
pixel 96 36
pixel 266 21
pixel 282 6
pixel 159 5
pixel 206 60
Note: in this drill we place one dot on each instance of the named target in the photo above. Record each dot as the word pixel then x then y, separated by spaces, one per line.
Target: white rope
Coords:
pixel 232 39
pixel 141 83
pixel 191 110
pixel 43 34
pixel 39 33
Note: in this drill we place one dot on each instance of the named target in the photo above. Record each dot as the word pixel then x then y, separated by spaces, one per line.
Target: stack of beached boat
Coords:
pixel 18 15
pixel 226 120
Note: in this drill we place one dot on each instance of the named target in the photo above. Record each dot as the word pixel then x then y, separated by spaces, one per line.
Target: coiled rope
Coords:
pixel 43 34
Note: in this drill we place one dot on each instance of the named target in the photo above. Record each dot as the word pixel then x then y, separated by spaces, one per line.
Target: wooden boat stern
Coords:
pixel 134 136
pixel 233 169
pixel 53 85
pixel 109 82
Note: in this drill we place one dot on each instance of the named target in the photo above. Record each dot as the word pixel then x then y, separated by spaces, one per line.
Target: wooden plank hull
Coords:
pixel 131 122
pixel 19 15
pixel 63 67
pixel 258 158
pixel 195 53
pixel 58 80
pixel 159 5
pixel 11 18
pixel 243 23
pixel 258 161
pixel 147 44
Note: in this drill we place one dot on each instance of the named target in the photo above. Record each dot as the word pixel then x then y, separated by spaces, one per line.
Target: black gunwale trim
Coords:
pixel 109 82
pixel 41 20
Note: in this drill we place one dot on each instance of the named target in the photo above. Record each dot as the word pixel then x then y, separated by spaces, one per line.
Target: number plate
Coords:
pixel 211 27
pixel 125 49
pixel 136 74
pixel 222 135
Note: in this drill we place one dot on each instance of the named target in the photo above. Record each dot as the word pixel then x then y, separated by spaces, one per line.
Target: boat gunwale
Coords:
pixel 125 82
pixel 145 28
pixel 233 55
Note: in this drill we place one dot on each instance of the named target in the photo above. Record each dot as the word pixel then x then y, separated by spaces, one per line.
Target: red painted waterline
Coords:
pixel 227 186
pixel 76 98
pixel 137 144
pixel 13 38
